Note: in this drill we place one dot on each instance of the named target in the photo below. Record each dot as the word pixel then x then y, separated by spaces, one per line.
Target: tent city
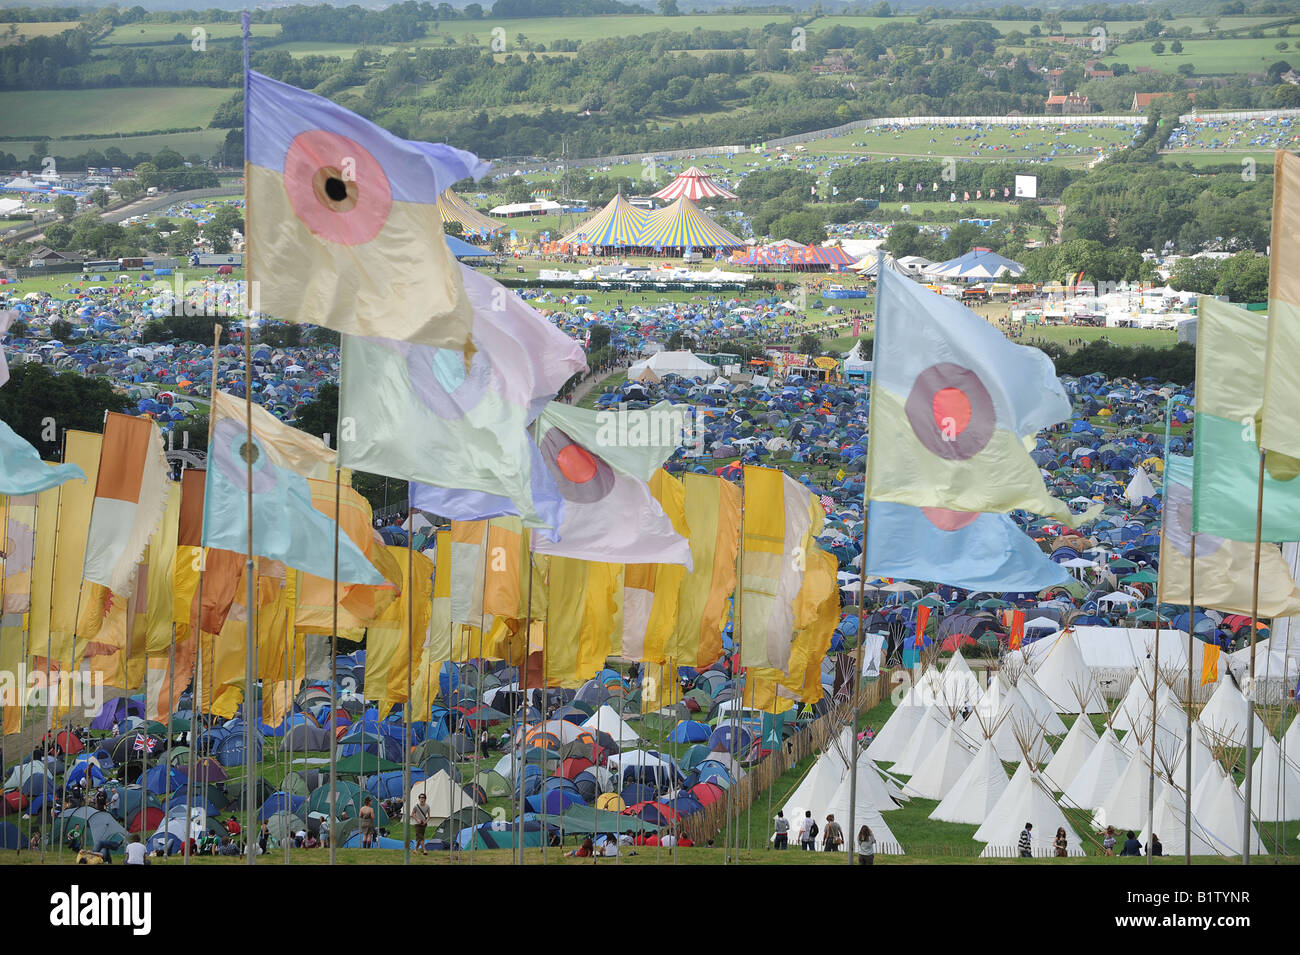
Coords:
pixel 657 432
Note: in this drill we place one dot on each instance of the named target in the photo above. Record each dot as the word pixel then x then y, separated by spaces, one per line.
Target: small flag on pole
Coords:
pixel 144 744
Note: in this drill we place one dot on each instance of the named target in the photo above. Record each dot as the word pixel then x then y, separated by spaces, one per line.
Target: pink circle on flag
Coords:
pixel 336 187
pixel 947 520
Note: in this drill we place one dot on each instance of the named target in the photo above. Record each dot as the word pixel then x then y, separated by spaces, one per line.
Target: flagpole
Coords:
pixel 736 620
pixel 852 832
pixel 1250 685
pixel 47 793
pixel 517 771
pixel 334 676
pixel 1155 696
pixel 1191 643
pixel 251 607
pixel 406 708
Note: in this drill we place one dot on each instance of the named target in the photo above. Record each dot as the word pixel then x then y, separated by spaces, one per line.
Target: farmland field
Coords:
pixel 1210 57
pixel 66 113
pixel 132 33
pixel 48 28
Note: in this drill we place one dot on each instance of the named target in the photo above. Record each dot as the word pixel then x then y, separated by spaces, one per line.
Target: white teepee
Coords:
pixel 976 790
pixel 1275 786
pixel 942 767
pixel 864 814
pixel 925 737
pixel 607 720
pixel 1071 754
pixel 960 687
pixel 1064 672
pixel 1200 755
pixel 1098 774
pixel 1225 715
pixel 1043 708
pixel 1127 803
pixel 1168 823
pixel 891 739
pixel 1025 800
pixel 1221 814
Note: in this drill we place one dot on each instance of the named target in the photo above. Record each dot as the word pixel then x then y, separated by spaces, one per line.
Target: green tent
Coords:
pixel 587 820
pixel 359 763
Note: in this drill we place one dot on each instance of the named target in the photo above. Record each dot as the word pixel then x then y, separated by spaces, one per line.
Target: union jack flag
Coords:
pixel 144 743
pixel 827 504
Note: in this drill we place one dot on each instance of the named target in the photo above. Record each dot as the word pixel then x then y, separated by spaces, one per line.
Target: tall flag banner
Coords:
pixel 610 515
pixel 343 225
pixel 961 548
pixel 922 621
pixel 1224 567
pixel 286 525
pixel 19 553
pixel 581 619
pixel 7 317
pixel 782 521
pixel 952 404
pixel 651 592
pixel 1209 663
pixel 1230 367
pixel 130 499
pixel 386 639
pixel 485 570
pixel 23 472
pixel 419 413
pixel 713 516
pixel 1017 629
pixel 436 649
pixel 221 569
pixel 1277 431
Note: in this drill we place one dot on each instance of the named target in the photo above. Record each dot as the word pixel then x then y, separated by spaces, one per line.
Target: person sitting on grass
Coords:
pixel 584 851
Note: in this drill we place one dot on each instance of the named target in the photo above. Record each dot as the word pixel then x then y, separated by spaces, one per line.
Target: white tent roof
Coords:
pixel 939 771
pixel 1071 754
pixel 1062 671
pixel 1138 488
pixel 1275 788
pixel 976 790
pixel 925 736
pixel 1200 755
pixel 442 796
pixel 1226 714
pixel 892 738
pixel 864 815
pixel 1027 799
pixel 1220 811
pixel 607 720
pixel 1126 805
pixel 1170 817
pixel 1098 774
pixel 682 363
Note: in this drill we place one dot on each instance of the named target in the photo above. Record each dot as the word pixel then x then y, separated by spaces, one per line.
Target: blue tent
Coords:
pixel 689 731
pixel 463 250
pixel 10 837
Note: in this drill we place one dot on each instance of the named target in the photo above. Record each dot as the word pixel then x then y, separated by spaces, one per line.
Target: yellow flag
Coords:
pixel 1209 663
pixel 73 525
pixel 581 619
pixel 387 639
pixel 651 592
pixel 713 516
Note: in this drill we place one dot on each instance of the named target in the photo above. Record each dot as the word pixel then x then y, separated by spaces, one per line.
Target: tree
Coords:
pixel 1281 45
pixel 65 206
pixel 128 189
pixel 60 329
pixel 100 198
pixel 320 416
pixel 1176 46
pixel 146 174
pixel 18 329
pixel 1244 278
pixel 668 8
pixel 59 235
pixel 809 344
pixel 1158 47
pixel 804 227
pixel 35 396
pixel 600 335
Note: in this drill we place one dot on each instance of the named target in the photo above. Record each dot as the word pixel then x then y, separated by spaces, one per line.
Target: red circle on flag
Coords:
pixel 947 520
pixel 581 476
pixel 336 187
pixel 951 412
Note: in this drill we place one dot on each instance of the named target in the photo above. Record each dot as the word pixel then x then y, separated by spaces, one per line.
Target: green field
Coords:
pixel 24 30
pixel 205 142
pixel 67 113
pixel 1210 57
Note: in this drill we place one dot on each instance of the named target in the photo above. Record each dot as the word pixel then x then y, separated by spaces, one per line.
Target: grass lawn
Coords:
pixel 1061 334
pixel 132 33
pixel 1210 57
pixel 43 28
pixel 66 113
pixel 205 142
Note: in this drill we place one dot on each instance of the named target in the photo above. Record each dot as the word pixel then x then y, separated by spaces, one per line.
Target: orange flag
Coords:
pixel 922 619
pixel 1017 629
pixel 1209 663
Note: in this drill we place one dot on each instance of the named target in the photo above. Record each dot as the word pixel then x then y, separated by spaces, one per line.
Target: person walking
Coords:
pixel 807 832
pixel 367 819
pixel 866 846
pixel 1108 841
pixel 1026 843
pixel 1061 844
pixel 420 820
pixel 833 838
pixel 781 826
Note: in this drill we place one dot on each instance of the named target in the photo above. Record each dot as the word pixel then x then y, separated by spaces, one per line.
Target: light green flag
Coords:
pixel 1229 394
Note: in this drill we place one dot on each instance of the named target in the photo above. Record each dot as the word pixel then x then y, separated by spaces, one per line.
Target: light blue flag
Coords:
pixel 960 548
pixel 461 505
pixel 23 472
pixel 286 525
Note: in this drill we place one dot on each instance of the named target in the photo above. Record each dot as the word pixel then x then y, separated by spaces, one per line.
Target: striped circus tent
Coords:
pixel 620 224
pixel 694 184
pixel 473 223
pixel 682 225
pixel 977 264
pixel 792 255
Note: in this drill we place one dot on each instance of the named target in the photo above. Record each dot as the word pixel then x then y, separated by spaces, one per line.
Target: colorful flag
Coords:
pixel 1277 431
pixel 922 621
pixel 1209 663
pixel 961 548
pixel 286 525
pixel 582 619
pixel 828 505
pixel 7 317
pixel 23 472
pixel 1017 629
pixel 782 519
pixel 1230 365
pixel 651 592
pixel 387 652
pixel 1224 567
pixel 144 744
pixel 952 403
pixel 19 553
pixel 420 413
pixel 343 222
pixel 713 516
pixel 130 499
pixel 609 512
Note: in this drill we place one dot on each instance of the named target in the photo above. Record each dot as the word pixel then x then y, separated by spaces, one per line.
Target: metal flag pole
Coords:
pixel 1155 696
pixel 406 707
pixel 1250 684
pixel 851 822
pixel 516 771
pixel 1191 643
pixel 334 677
pixel 249 454
pixel 47 793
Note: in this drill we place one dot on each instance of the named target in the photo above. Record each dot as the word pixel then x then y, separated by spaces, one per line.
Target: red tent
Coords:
pixel 707 793
pixel 147 821
pixel 571 767
pixel 955 640
pixel 67 742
